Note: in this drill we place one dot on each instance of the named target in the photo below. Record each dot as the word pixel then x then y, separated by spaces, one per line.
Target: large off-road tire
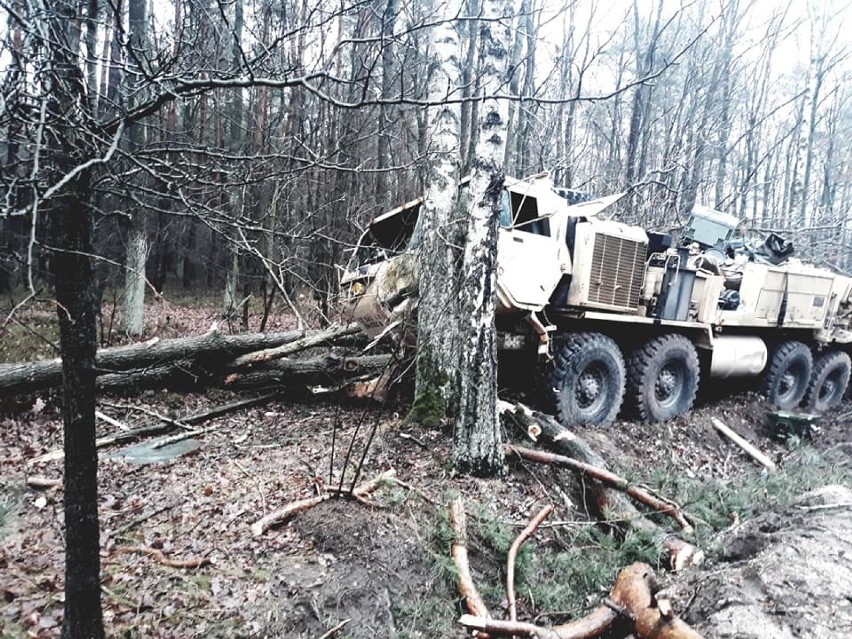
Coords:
pixel 788 375
pixel 585 382
pixel 662 378
pixel 828 381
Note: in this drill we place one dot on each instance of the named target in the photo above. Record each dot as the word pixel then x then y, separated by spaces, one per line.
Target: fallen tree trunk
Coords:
pixel 212 347
pixel 327 336
pixel 316 370
pixel 184 374
pixel 611 504
pixel 196 362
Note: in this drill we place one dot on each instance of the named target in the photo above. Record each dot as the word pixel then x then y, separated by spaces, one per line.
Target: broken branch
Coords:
pixel 330 334
pixel 279 516
pixel 639 494
pixel 157 554
pixel 458 551
pixel 631 597
pixel 525 534
pixel 755 454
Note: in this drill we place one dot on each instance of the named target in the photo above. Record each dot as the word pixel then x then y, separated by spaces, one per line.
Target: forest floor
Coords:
pixel 779 555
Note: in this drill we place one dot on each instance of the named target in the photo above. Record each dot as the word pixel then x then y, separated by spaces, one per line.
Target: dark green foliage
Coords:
pixel 712 503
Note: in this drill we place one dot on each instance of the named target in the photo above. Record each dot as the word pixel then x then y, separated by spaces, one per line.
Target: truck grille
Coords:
pixel 618 274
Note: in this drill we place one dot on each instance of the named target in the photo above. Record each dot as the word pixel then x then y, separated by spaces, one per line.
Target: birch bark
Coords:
pixel 477 438
pixel 437 334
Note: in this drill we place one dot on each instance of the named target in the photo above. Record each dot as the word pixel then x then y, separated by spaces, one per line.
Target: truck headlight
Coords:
pixel 356 289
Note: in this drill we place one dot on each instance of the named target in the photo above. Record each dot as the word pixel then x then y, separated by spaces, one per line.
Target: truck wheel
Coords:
pixel 787 376
pixel 828 381
pixel 663 378
pixel 586 382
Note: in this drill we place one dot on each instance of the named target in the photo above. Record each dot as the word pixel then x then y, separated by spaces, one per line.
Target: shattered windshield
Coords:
pixel 389 236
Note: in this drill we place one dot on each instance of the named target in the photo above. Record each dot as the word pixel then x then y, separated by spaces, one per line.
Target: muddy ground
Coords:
pixel 385 567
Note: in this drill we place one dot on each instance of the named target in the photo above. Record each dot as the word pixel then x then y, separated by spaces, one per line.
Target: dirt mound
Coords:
pixel 781 576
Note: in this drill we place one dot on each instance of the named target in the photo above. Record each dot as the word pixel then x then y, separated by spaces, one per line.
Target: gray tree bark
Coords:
pixel 477 440
pixel 436 390
pixel 136 255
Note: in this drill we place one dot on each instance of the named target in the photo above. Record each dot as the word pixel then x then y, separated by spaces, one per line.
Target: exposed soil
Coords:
pixel 385 569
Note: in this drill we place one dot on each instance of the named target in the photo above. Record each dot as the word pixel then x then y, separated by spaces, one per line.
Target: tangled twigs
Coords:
pixel 279 516
pixel 159 555
pixel 535 522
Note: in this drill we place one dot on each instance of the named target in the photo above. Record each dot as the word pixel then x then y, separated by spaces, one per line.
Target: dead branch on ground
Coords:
pixel 458 551
pixel 281 515
pixel 160 556
pixel 612 505
pixel 38 482
pixel 611 479
pixel 745 446
pixel 525 534
pixel 159 428
pixel 632 597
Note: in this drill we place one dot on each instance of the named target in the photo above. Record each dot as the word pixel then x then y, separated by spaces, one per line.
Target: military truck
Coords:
pixel 620 319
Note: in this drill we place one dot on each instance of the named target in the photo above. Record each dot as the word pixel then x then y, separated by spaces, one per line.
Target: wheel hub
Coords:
pixel 589 387
pixel 667 384
pixel 827 389
pixel 787 383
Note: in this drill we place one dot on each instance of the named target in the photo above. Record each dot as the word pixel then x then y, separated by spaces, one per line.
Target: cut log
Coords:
pixel 755 454
pixel 212 347
pixel 634 591
pixel 611 504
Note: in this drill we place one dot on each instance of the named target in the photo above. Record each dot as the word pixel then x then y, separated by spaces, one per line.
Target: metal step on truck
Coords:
pixel 616 318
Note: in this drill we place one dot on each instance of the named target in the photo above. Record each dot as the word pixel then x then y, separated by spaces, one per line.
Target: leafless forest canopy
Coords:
pixel 240 146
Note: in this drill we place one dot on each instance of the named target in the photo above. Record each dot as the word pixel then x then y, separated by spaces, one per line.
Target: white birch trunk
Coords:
pixel 133 299
pixel 477 441
pixel 133 302
pixel 437 335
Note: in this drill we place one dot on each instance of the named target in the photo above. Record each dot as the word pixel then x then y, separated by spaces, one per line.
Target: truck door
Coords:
pixel 528 254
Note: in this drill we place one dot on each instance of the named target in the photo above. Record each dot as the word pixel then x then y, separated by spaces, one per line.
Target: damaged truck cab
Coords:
pixel 625 320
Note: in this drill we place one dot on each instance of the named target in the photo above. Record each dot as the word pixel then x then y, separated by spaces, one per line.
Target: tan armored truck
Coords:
pixel 618 318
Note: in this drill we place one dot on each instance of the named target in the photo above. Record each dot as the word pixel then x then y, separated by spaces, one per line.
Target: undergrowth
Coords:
pixel 559 574
pixel 715 504
pixel 564 571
